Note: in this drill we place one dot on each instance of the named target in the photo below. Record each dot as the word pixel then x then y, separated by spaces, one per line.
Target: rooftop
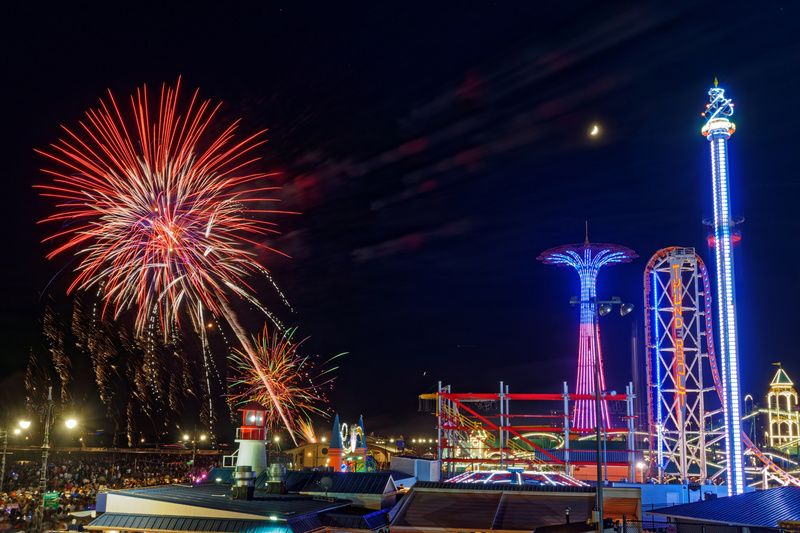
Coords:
pixel 761 508
pixel 487 507
pixel 341 482
pixel 157 523
pixel 212 496
pixel 781 379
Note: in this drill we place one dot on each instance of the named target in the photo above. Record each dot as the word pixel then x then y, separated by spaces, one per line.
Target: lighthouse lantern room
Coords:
pixel 251 436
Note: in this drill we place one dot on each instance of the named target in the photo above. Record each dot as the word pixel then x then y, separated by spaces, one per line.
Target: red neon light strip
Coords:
pixel 515 433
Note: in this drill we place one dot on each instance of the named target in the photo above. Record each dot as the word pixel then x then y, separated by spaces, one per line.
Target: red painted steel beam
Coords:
pixel 513 432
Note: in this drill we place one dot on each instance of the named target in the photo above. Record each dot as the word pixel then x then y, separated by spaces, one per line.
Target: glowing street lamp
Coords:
pixel 202 437
pixel 71 423
pixel 640 466
pixel 24 424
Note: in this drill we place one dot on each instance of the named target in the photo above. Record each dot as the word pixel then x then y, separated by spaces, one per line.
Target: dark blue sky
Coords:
pixel 435 150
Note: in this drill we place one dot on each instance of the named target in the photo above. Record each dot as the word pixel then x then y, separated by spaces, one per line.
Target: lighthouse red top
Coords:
pixel 254 419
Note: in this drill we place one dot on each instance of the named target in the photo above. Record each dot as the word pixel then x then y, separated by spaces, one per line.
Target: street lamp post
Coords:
pixel 202 438
pixel 70 423
pixel 48 416
pixel 601 308
pixel 598 421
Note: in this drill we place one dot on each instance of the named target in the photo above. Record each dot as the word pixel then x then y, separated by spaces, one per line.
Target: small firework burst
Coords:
pixel 291 386
pixel 306 430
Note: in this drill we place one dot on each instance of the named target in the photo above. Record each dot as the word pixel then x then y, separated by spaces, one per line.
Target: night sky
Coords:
pixel 435 150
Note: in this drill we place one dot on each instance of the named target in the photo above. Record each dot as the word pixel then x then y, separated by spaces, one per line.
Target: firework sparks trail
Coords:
pixel 298 382
pixel 273 399
pixel 306 430
pixel 161 214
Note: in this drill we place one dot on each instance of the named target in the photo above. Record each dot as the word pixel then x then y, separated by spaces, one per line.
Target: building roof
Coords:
pixel 781 379
pixel 355 519
pixel 506 487
pixel 214 496
pixel 487 507
pixel 761 508
pixel 336 436
pixel 139 522
pixel 341 482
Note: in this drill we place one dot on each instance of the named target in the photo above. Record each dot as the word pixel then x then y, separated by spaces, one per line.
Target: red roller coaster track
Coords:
pixel 712 361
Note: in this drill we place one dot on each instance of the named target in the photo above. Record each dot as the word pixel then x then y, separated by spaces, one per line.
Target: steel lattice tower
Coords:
pixel 587 259
pixel 718 129
pixel 681 395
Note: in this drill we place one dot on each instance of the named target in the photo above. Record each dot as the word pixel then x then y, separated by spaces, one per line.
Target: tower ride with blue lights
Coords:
pixel 587 259
pixel 718 129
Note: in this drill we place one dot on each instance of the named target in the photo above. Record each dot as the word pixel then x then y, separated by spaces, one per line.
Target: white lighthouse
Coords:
pixel 251 436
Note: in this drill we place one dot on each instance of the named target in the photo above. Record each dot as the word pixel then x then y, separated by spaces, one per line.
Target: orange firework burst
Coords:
pixel 306 429
pixel 291 386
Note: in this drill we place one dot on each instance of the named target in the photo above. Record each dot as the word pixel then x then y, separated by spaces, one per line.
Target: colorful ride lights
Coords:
pixel 718 129
pixel 587 259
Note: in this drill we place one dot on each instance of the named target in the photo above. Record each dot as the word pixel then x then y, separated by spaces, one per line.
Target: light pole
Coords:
pixel 70 423
pixel 202 438
pixel 601 308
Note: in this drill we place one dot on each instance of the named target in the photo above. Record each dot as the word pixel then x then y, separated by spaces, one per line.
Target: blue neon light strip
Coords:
pixel 719 129
pixel 657 362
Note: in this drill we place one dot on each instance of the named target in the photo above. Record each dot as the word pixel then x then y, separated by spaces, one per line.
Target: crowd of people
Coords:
pixel 75 479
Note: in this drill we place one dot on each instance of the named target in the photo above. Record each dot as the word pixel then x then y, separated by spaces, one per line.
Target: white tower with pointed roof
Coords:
pixel 782 416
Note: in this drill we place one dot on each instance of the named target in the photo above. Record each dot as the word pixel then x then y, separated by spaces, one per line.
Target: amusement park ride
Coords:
pixel 693 424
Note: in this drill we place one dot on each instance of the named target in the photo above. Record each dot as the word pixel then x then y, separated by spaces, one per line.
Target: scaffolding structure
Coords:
pixel 487 431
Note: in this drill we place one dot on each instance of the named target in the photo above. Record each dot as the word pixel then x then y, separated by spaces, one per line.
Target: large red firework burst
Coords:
pixel 299 383
pixel 158 207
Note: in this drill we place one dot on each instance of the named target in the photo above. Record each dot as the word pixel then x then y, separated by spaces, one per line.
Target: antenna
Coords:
pixel 587 232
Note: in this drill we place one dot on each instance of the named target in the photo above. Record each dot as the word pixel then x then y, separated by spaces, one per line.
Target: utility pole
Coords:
pixel 598 419
pixel 48 419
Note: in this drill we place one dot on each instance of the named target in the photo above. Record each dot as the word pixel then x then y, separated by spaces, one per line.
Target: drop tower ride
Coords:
pixel 718 129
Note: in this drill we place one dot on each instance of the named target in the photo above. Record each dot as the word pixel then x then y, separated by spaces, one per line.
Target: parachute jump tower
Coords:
pixel 718 129
pixel 587 259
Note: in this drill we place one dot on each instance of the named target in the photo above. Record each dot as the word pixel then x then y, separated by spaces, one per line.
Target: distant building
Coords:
pixel 783 419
